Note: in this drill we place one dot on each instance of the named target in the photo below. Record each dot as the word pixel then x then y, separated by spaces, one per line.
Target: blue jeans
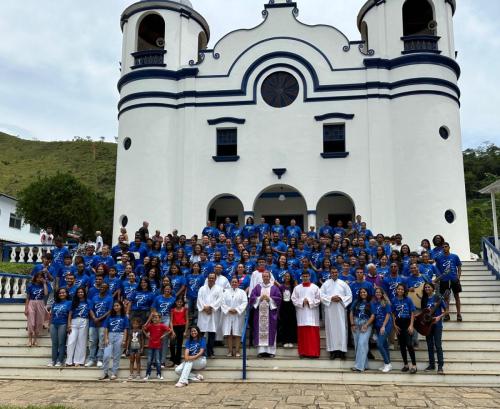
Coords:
pixel 361 345
pixel 153 357
pixel 434 339
pixel 383 346
pixel 58 336
pixel 165 342
pixel 113 350
pixel 96 344
pixel 193 310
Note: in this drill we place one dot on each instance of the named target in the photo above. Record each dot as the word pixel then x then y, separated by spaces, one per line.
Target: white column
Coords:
pixel 311 220
pixel 495 224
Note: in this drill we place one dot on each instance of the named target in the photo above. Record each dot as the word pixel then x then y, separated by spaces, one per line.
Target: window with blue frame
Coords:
pixel 334 138
pixel 227 142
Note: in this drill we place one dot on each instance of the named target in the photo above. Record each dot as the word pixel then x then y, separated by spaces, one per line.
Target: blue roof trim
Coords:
pixel 412 59
pixel 280 5
pixel 217 121
pixel 157 74
pixel 333 115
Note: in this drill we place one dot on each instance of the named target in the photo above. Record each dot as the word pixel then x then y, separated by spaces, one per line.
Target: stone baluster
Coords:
pixel 22 287
pixel 2 282
pixel 22 253
pixel 39 255
pixel 30 254
pixel 15 286
pixel 13 254
pixel 7 288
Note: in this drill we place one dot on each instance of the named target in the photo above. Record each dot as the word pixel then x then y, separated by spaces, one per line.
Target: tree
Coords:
pixel 60 202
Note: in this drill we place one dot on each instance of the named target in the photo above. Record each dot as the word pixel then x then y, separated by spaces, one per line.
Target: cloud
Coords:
pixel 60 60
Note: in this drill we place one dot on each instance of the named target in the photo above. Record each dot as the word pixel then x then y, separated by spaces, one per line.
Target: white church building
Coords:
pixel 292 120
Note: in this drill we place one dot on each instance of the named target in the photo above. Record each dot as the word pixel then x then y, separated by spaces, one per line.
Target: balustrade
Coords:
pixel 13 287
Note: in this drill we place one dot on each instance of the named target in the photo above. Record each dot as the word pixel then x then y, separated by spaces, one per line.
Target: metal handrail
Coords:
pixel 491 256
pixel 244 343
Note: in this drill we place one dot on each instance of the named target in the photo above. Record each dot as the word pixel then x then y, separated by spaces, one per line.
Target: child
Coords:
pixel 179 321
pixel 115 336
pixel 156 331
pixel 135 348
pixel 194 358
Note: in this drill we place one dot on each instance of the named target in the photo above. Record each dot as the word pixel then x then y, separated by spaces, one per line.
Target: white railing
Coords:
pixel 491 257
pixel 28 253
pixel 13 287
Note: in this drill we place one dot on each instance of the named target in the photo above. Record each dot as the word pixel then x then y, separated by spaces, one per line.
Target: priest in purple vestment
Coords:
pixel 266 300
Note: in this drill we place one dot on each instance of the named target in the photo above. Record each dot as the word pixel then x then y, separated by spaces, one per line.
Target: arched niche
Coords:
pixel 418 18
pixel 151 33
pixel 335 206
pixel 225 205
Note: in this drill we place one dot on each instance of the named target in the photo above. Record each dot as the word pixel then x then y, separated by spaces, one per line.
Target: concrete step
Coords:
pixel 476 307
pixel 482 294
pixel 481 285
pixel 484 277
pixel 279 375
pixel 465 299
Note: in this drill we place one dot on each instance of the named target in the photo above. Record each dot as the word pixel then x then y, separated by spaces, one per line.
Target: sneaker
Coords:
pixel 89 364
pixel 354 369
pixel 200 377
pixel 146 378
pixel 159 377
pixel 446 317
pixel 440 371
pixel 50 364
pixel 180 385
pixel 387 368
pixel 382 368
pixel 459 318
pixel 413 370
pixel 58 365
pixel 99 364
pixel 405 369
pixel 169 364
pixel 104 377
pixel 113 377
pixel 430 368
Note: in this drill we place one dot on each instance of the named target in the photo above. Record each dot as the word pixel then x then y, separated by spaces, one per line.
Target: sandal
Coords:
pixel 459 317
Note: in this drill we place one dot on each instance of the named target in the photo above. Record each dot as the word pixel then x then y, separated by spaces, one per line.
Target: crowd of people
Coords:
pixel 175 299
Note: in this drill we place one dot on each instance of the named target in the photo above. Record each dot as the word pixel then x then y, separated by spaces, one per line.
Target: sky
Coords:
pixel 59 61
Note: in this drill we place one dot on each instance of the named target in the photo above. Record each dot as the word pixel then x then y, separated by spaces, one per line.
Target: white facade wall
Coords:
pixel 400 174
pixel 8 205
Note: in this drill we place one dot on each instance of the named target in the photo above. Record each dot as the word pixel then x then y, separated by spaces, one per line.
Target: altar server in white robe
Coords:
pixel 234 305
pixel 306 298
pixel 336 296
pixel 209 303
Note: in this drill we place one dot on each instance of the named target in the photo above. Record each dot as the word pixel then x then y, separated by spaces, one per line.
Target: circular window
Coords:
pixel 444 132
pixel 127 143
pixel 124 221
pixel 449 216
pixel 280 89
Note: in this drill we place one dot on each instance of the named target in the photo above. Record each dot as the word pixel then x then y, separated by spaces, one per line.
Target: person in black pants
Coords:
pixel 180 322
pixel 403 311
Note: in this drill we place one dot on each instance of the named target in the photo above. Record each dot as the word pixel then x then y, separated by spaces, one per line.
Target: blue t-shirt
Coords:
pixel 416 281
pixel 249 230
pixel 278 228
pixel 100 306
pixel 279 273
pixel 64 270
pixel 94 292
pixel 298 276
pixel 263 230
pixel 129 289
pixel 177 282
pixel 117 323
pixel 82 281
pixel 35 291
pixel 380 313
pixel 60 312
pixel 390 284
pixel 448 267
pixel 347 279
pixel 163 305
pixel 195 347
pixel 100 259
pixel 207 267
pixel 428 270
pixel 142 300
pixel 356 286
pixel 439 310
pixel 229 268
pixel 114 284
pixel 361 310
pixel 58 255
pixel 293 231
pixel 81 311
pixel 402 308
pixel 194 282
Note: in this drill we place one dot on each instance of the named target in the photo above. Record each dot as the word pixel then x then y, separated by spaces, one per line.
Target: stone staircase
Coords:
pixel 472 351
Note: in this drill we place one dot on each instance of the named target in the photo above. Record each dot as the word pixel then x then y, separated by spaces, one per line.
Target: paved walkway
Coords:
pixel 94 395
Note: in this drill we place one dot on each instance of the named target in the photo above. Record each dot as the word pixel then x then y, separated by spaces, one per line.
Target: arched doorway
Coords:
pixel 335 206
pixel 223 206
pixel 283 202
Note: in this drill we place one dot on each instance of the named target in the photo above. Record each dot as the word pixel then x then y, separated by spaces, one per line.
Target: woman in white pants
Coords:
pixel 234 305
pixel 194 358
pixel 78 328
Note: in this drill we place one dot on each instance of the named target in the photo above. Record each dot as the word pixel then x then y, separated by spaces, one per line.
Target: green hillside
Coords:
pixel 23 161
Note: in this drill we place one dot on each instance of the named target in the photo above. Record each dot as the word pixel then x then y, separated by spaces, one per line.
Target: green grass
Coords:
pixel 23 161
pixel 15 268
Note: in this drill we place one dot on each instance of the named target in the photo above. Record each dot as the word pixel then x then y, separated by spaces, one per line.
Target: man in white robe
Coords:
pixel 306 298
pixel 336 296
pixel 209 303
pixel 222 282
pixel 234 306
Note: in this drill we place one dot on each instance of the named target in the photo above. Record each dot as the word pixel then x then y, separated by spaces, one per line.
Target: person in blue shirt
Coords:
pixel 206 266
pixel 34 308
pixel 95 289
pixel 278 229
pixel 293 231
pixel 437 250
pixel 177 281
pixel 114 283
pixel 403 314
pixel 59 252
pixel 391 281
pixel 312 233
pixel 450 270
pixel 103 258
pixel 78 320
pixel 129 287
pixel 141 301
pixel 291 260
pixel 361 318
pixel 383 268
pixel 415 279
pixel 426 268
pixel 100 308
pixel 229 227
pixel 364 231
pixel 279 248
pixel 281 269
pixel 264 229
pixel 81 278
pixel 58 326
pixel 431 300
pixel 115 339
pixel 381 308
pixel 139 250
pixel 345 274
pixel 249 229
pixel 194 281
pixel 209 231
pixel 361 283
pixel 306 266
pixel 194 358
pixel 326 230
pixel 413 259
pixel 229 265
pixel 339 229
pixel 69 284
